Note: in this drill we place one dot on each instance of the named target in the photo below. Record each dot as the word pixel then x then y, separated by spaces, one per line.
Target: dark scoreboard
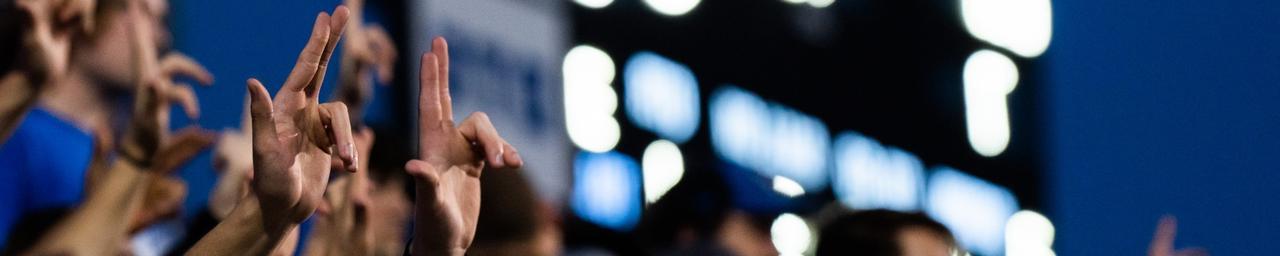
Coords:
pixel 883 80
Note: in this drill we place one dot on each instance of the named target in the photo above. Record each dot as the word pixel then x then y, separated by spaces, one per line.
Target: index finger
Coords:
pixel 309 59
pixel 1162 243
pixel 337 23
pixel 441 49
pixel 428 93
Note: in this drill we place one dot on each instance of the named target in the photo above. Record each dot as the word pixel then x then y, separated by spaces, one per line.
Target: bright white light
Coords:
pixel 787 187
pixel 672 7
pixel 606 189
pixel 795 1
pixel 1022 26
pixel 821 3
pixel 870 176
pixel 988 78
pixel 974 209
pixel 661 96
pixel 1027 233
pixel 791 235
pixel 663 167
pixel 594 4
pixel 769 138
pixel 589 100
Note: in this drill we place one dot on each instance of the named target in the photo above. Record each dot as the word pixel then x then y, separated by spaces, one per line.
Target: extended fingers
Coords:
pixel 309 59
pixel 335 116
pixel 441 49
pixel 177 64
pixel 384 52
pixel 337 24
pixel 78 9
pixel 428 93
pixel 1162 243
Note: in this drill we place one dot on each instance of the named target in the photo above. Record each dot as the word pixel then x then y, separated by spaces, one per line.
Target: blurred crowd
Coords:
pixel 88 157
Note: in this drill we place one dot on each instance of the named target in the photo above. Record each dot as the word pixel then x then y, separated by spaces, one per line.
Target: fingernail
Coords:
pixel 355 158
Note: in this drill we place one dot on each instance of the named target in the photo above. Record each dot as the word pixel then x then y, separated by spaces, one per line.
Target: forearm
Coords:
pixel 99 225
pixel 243 232
pixel 14 105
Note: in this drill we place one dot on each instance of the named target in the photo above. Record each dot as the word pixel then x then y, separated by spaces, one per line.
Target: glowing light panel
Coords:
pixel 672 7
pixel 594 4
pixel 1024 27
pixel 870 176
pixel 989 77
pixel 791 235
pixel 663 167
pixel 589 100
pixel 974 209
pixel 769 138
pixel 1028 233
pixel 787 187
pixel 661 96
pixel 606 189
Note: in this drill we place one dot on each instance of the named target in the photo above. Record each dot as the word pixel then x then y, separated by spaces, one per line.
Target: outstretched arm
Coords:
pixel 294 138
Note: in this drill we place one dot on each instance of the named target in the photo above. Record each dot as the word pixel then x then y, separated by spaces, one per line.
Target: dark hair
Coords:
pixel 12 24
pixel 700 203
pixel 508 209
pixel 874 233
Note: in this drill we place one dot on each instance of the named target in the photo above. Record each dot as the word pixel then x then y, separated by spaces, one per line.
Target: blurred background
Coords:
pixel 635 116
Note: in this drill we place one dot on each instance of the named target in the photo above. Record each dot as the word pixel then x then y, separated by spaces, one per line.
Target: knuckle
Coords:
pixel 480 116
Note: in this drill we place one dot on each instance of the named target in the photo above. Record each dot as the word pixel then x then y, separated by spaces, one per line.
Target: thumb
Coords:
pixel 424 172
pixel 261 117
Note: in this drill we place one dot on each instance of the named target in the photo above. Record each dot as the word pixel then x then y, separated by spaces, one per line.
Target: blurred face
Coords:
pixel 916 241
pixel 125 36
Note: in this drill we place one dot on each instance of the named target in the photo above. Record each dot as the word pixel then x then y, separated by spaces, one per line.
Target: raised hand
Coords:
pixel 294 135
pixel 1162 242
pixel 46 42
pixel 147 135
pixel 53 23
pixel 450 162
pixel 367 50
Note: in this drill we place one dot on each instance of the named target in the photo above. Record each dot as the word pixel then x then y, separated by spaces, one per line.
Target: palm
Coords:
pixel 455 170
pixel 451 161
pixel 295 136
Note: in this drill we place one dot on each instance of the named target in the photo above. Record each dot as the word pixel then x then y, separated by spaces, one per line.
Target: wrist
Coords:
pixel 135 154
pixel 447 252
pixel 250 212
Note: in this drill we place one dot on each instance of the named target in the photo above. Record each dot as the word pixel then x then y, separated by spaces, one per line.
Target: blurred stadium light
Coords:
pixel 661 96
pixel 975 210
pixel 606 189
pixel 870 176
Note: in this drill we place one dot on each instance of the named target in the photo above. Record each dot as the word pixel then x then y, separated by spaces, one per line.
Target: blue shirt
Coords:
pixel 42 166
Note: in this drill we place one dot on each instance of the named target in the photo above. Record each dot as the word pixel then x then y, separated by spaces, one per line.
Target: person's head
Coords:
pixel 513 221
pixel 688 218
pixel 109 54
pixel 885 233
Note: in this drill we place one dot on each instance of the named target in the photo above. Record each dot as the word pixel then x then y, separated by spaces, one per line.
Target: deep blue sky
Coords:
pixel 1159 107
